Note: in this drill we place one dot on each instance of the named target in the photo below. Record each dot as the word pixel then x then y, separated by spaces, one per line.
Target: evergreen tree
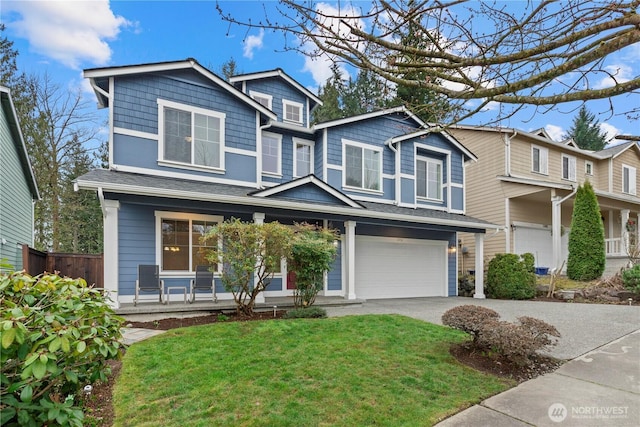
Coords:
pixel 586 239
pixel 364 94
pixel 586 131
pixel 229 69
pixel 330 94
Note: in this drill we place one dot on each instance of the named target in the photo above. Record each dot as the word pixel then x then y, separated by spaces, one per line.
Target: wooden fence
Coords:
pixel 89 267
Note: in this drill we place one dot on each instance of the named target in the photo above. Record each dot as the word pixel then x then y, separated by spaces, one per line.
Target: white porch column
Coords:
pixel 349 249
pixel 110 210
pixel 624 217
pixel 258 218
pixel 556 231
pixel 479 266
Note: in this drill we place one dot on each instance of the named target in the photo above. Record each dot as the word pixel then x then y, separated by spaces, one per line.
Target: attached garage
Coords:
pixel 400 268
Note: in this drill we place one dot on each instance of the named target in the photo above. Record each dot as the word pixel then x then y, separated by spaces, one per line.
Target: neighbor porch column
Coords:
pixel 258 218
pixel 350 259
pixel 556 231
pixel 110 209
pixel 624 217
pixel 479 266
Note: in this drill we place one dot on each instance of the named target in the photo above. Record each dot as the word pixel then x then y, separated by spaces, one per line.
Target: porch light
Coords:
pixel 453 249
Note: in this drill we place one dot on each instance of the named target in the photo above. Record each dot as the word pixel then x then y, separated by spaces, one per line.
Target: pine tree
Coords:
pixel 330 94
pixel 586 131
pixel 364 94
pixel 586 239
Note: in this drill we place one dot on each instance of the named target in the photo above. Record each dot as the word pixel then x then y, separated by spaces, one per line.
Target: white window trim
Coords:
pixel 162 103
pixel 311 145
pixel 285 103
pixel 571 164
pixel 632 180
pixel 544 165
pixel 588 165
pixel 277 136
pixel 255 94
pixel 346 142
pixel 442 184
pixel 160 215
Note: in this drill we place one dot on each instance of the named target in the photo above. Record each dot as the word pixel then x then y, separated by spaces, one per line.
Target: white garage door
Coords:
pixel 400 268
pixel 537 240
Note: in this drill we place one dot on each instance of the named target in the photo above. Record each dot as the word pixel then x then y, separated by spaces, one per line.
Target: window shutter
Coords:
pixel 632 181
pixel 544 161
pixel 572 168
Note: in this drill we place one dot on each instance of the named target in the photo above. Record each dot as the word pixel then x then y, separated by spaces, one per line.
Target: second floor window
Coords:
pixel 192 135
pixel 588 168
pixel 292 111
pixel 262 98
pixel 629 180
pixel 539 160
pixel 271 144
pixel 429 178
pixel 568 167
pixel 303 157
pixel 363 167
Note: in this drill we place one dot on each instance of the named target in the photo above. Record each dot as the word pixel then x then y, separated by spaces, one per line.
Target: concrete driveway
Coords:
pixel 583 327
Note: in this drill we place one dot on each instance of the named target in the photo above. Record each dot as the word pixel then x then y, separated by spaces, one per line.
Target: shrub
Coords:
pixel 511 276
pixel 56 335
pixel 587 257
pixel 469 318
pixel 466 285
pixel 631 279
pixel 310 312
pixel 517 342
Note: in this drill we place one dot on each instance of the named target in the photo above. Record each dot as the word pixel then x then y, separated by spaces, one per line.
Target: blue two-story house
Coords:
pixel 188 149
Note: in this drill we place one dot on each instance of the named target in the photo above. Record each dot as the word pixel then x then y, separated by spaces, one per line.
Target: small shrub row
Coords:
pixel 56 335
pixel 511 276
pixel 631 278
pixel 516 342
pixel 309 312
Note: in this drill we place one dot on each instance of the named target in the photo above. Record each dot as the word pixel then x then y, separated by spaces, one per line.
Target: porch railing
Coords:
pixel 613 247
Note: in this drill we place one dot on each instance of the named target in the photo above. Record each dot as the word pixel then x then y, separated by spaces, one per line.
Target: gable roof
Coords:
pixel 366 116
pixel 616 150
pixel 96 73
pixel 309 179
pixel 278 72
pixel 445 134
pixel 18 140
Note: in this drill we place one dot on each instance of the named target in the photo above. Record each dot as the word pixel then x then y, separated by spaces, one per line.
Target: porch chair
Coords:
pixel 203 280
pixel 149 281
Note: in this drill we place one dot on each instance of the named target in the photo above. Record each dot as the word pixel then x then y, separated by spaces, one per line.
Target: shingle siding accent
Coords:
pixel 280 90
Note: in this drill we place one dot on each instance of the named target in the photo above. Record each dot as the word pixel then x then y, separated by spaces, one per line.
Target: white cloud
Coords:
pixel 251 43
pixel 70 32
pixel 555 132
pixel 618 73
pixel 610 130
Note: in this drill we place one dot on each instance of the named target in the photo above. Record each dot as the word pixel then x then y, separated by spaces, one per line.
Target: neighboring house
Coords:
pixel 526 183
pixel 188 150
pixel 18 189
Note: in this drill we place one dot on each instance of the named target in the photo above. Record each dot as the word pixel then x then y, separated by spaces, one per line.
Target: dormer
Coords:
pixel 280 93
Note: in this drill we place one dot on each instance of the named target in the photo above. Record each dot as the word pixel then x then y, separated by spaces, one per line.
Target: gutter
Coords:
pixel 507 143
pixel 398 179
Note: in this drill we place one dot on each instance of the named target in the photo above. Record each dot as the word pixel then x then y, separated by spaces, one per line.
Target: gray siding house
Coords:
pixel 18 189
pixel 188 149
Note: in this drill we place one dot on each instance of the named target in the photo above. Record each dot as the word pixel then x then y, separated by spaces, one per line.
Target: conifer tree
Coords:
pixel 586 239
pixel 586 131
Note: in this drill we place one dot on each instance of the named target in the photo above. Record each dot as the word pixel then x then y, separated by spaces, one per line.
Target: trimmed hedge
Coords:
pixel 587 256
pixel 511 276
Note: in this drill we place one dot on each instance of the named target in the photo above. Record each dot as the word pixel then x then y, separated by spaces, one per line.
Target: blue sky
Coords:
pixel 65 37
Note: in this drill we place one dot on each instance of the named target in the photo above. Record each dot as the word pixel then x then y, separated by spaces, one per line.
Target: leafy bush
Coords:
pixel 310 312
pixel 511 276
pixel 469 318
pixel 519 342
pixel 587 257
pixel 631 278
pixel 466 285
pixel 56 335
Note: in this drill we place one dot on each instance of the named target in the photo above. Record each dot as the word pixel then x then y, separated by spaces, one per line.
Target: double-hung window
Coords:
pixel 568 167
pixel 262 98
pixel 271 148
pixel 629 180
pixel 180 238
pixel 539 160
pixel 428 178
pixel 363 167
pixel 303 157
pixel 191 135
pixel 292 111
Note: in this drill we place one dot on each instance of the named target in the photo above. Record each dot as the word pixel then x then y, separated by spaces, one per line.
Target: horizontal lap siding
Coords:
pixel 137 243
pixel 629 158
pixel 16 222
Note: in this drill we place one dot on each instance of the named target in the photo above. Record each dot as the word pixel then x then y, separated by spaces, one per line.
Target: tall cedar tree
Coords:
pixel 586 131
pixel 586 238
pixel 330 94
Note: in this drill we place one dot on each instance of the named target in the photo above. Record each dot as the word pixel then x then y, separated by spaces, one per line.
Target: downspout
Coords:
pixel 259 150
pixel 101 198
pixel 507 153
pixel 389 143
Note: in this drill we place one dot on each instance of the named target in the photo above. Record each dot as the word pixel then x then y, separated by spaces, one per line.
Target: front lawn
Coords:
pixel 349 371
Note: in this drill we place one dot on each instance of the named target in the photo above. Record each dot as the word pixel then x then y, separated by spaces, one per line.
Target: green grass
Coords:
pixel 563 282
pixel 348 371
